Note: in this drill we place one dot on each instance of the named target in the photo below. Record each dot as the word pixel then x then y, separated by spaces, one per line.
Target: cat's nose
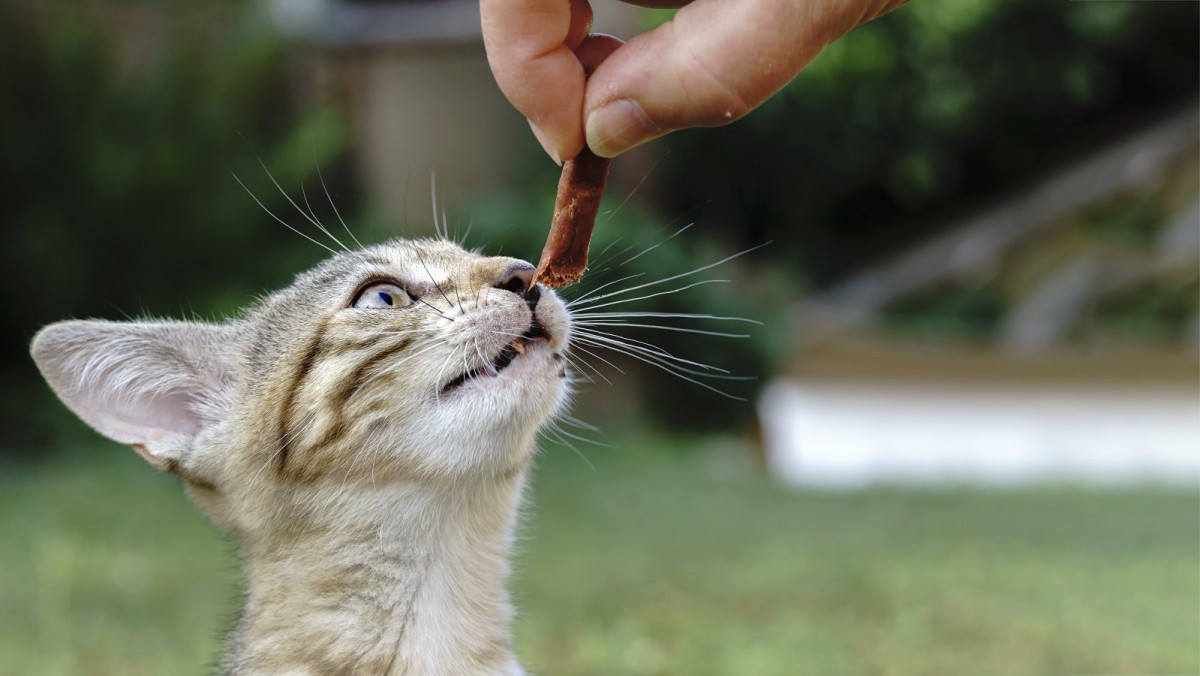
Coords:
pixel 519 279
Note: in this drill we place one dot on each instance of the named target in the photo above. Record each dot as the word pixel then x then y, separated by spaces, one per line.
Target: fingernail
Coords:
pixel 618 126
pixel 546 145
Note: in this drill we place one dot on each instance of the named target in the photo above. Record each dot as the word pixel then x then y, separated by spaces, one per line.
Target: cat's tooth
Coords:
pixel 518 346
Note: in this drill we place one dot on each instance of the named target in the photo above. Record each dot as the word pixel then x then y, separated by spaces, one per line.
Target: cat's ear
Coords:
pixel 152 385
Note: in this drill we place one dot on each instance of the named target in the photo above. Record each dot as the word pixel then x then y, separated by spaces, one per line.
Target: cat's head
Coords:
pixel 410 360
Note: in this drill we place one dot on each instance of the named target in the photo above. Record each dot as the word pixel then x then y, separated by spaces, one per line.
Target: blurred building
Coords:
pixel 422 106
pixel 1054 336
pixel 425 113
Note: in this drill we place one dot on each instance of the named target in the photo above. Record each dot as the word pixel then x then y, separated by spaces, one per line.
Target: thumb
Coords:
pixel 712 64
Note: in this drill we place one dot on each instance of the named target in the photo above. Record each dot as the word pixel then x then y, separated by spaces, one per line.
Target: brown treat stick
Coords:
pixel 580 188
pixel 564 258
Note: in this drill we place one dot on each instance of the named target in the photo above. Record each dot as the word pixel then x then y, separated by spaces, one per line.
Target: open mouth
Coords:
pixel 502 360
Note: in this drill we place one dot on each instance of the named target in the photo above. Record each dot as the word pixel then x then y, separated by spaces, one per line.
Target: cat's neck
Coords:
pixel 403 579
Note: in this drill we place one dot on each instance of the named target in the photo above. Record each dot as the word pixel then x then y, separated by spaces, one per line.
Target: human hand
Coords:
pixel 712 64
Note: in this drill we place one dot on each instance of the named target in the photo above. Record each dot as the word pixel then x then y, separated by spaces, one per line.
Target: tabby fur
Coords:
pixel 372 490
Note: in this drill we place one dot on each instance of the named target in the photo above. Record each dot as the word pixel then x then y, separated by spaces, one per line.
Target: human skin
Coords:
pixel 710 65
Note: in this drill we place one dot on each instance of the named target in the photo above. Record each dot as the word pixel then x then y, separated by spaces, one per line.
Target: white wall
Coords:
pixel 853 433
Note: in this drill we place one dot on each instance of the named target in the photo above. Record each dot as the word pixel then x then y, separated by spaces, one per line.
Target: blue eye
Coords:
pixel 382 295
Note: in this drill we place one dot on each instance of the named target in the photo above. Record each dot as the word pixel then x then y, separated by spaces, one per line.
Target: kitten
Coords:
pixel 364 434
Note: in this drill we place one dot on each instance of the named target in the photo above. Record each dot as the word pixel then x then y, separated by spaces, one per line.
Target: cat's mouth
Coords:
pixel 501 361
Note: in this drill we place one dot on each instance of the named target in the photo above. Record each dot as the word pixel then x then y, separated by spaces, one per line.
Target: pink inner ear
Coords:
pixel 161 424
pixel 133 383
pixel 168 412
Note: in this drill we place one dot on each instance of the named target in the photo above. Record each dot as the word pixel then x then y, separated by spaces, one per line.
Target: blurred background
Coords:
pixel 963 434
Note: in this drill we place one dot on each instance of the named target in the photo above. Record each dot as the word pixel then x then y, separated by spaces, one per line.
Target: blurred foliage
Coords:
pixel 1148 312
pixel 1152 303
pixel 124 121
pixel 121 131
pixel 957 311
pixel 922 113
pixel 1124 220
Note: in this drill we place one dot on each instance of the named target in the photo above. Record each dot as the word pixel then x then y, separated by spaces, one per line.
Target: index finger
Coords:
pixel 530 47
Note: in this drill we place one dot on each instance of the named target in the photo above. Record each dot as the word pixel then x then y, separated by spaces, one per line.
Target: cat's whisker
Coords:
pixel 555 433
pixel 576 301
pixel 335 209
pixel 463 241
pixel 613 341
pixel 405 332
pixel 313 218
pixel 441 378
pixel 437 228
pixel 708 375
pixel 483 360
pixel 665 315
pixel 608 217
pixel 280 220
pixel 652 247
pixel 659 327
pixel 558 427
pixel 681 275
pixel 395 366
pixel 601 260
pixel 593 368
pixel 617 343
pixel 680 373
pixel 435 282
pixel 637 354
pixel 578 362
pixel 579 374
pixel 458 296
pixel 588 305
pixel 629 346
pixel 601 265
pixel 571 420
pixel 288 197
pixel 431 307
pixel 559 434
pixel 478 352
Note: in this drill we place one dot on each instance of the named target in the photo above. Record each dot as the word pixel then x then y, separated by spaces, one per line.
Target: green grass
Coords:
pixel 659 562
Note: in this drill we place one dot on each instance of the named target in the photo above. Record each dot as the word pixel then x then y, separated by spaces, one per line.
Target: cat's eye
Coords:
pixel 382 295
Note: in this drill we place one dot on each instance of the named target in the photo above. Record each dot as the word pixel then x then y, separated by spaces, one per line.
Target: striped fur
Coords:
pixel 374 507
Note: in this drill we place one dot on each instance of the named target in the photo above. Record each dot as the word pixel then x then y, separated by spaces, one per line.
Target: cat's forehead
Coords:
pixel 407 260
